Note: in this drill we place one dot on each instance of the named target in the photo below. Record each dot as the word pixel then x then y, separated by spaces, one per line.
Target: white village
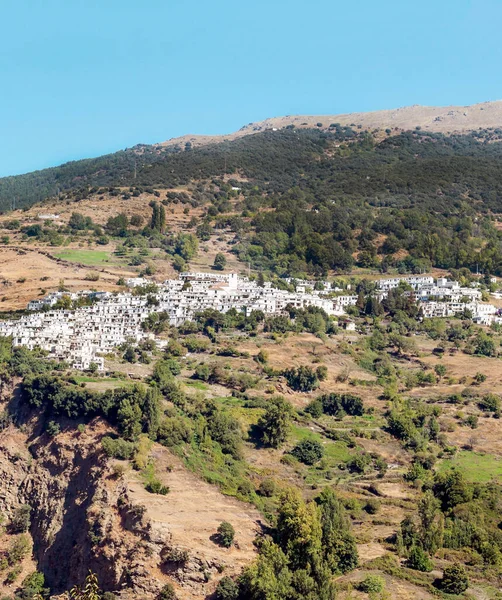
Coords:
pixel 83 335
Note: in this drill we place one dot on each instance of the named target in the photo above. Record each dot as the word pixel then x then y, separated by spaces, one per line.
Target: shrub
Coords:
pixel 13 575
pixel 18 549
pixel 419 560
pixel 226 534
pixel 308 451
pixel 267 488
pixel 167 593
pixel 227 589
pixel 372 506
pixel 92 276
pixel 372 584
pixel 52 428
pixel 20 521
pixel 455 580
pixel 302 379
pixel 118 448
pixel 32 585
pixel 156 487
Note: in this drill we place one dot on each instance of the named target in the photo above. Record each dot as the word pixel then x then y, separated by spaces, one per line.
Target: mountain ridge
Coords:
pixel 439 119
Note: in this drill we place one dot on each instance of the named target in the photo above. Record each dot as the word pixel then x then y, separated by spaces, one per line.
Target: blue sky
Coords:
pixel 81 78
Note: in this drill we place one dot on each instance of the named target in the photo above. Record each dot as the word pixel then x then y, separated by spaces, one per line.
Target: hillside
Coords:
pixel 447 119
pixel 356 456
pixel 252 149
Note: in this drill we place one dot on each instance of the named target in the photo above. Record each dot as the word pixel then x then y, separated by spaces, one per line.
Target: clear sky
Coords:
pixel 80 78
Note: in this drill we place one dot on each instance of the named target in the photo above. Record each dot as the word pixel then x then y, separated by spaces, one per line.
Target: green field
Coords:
pixel 478 468
pixel 85 257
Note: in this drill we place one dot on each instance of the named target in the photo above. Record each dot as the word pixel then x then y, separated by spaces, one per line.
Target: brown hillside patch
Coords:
pixel 190 514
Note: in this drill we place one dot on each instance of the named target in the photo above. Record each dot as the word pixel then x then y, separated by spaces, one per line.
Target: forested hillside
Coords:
pixel 387 168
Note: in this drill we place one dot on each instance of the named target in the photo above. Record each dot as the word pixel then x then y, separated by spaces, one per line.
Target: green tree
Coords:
pixel 275 424
pixel 269 577
pixel 226 534
pixel 451 488
pixel 298 529
pixel 227 589
pixel 455 580
pixel 338 544
pixel 308 451
pixel 220 261
pixel 431 523
pixel 419 560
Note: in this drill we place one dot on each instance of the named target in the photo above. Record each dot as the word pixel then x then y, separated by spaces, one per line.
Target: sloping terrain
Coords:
pixel 160 164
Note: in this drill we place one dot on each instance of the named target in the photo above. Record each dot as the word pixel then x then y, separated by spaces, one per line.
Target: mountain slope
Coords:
pixel 271 148
pixel 447 119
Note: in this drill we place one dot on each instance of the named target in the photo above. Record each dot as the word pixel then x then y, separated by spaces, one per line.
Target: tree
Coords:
pixel 117 225
pixel 451 488
pixel 440 371
pixel 299 529
pixel 338 544
pixel 220 261
pixel 130 354
pixel 308 451
pixel 302 379
pixel 227 589
pixel 431 522
pixel 151 412
pixel 269 577
pixel 158 220
pixel 226 534
pixel 484 345
pixel 419 560
pixel 186 245
pixel 455 580
pixel 275 424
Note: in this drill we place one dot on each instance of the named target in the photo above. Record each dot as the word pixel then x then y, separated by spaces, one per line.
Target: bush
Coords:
pixel 372 506
pixel 20 521
pixel 227 589
pixel 92 276
pixel 52 428
pixel 18 549
pixel 372 584
pixel 455 580
pixel 419 560
pixel 267 488
pixel 118 448
pixel 226 534
pixel 308 451
pixel 156 487
pixel 302 379
pixel 220 261
pixel 167 593
pixel 32 585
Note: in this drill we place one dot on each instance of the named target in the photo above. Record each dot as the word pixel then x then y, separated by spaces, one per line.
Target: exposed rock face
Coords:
pixel 85 518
